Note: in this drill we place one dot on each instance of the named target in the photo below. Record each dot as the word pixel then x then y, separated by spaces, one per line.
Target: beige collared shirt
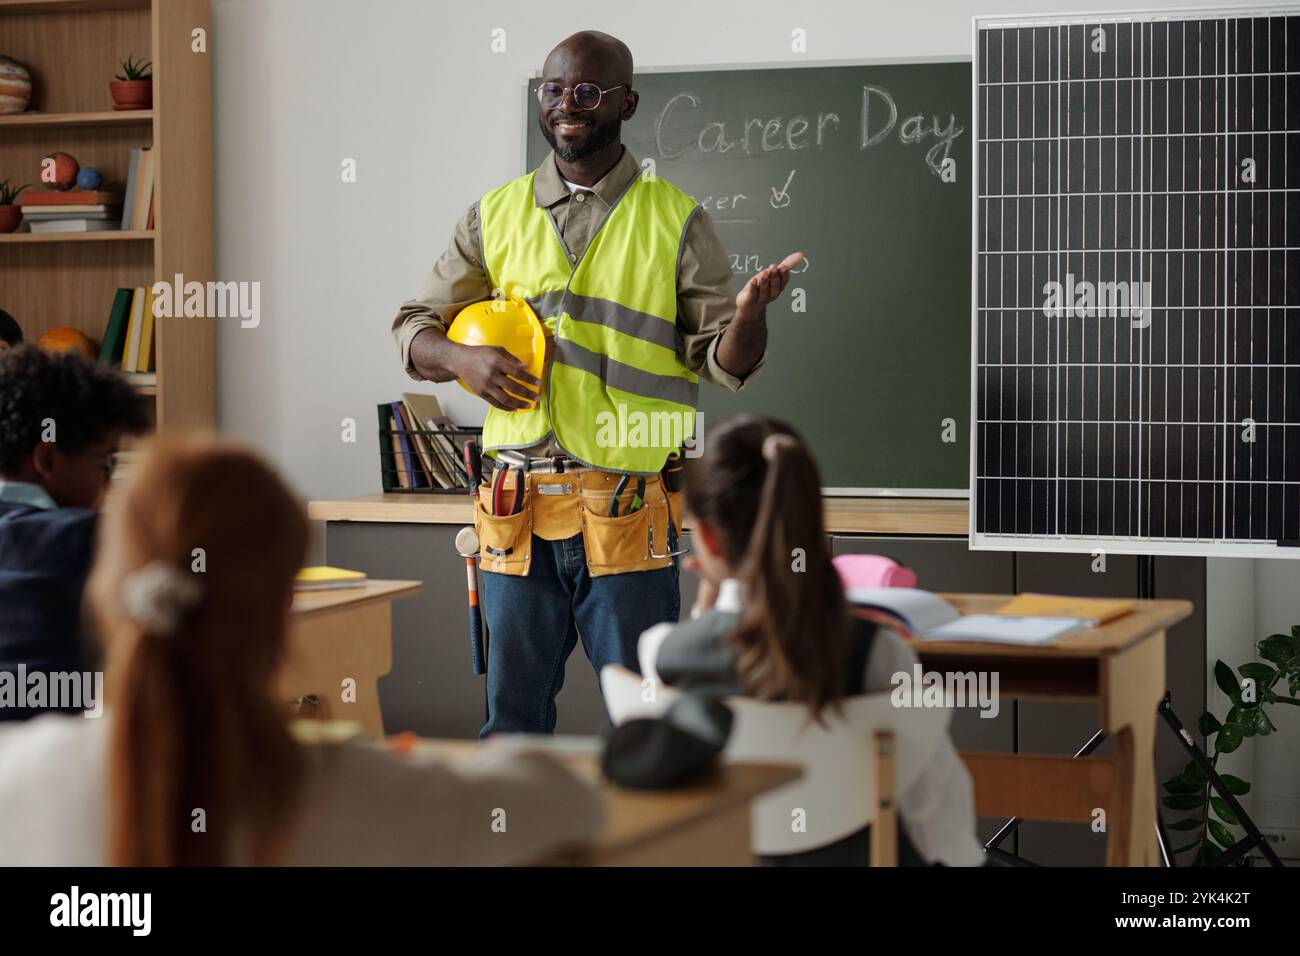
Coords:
pixel 706 301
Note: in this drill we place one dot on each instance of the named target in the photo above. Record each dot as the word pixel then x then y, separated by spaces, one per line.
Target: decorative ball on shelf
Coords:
pixel 64 339
pixel 15 86
pixel 89 178
pixel 59 171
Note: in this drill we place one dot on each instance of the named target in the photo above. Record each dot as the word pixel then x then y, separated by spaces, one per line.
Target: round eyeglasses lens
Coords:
pixel 551 94
pixel 586 96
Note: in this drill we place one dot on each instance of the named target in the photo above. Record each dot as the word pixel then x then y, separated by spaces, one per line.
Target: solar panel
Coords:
pixel 1136 253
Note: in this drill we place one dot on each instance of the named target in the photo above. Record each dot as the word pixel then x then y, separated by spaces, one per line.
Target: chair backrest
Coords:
pixel 836 794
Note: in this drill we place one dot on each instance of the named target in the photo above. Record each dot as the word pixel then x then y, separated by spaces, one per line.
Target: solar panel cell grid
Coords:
pixel 1137 255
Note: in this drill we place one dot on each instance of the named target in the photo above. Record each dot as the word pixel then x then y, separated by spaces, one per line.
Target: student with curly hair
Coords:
pixel 61 420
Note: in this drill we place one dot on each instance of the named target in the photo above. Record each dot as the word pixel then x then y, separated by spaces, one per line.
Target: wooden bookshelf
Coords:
pixel 45 121
pixel 110 235
pixel 73 48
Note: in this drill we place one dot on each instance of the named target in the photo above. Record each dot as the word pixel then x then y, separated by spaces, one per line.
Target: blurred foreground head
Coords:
pixel 191 591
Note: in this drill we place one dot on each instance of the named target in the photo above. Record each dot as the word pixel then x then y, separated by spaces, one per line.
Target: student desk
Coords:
pixel 343 633
pixel 1120 665
pixel 705 824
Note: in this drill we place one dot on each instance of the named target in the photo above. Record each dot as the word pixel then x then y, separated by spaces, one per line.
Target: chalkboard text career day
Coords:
pixel 878 119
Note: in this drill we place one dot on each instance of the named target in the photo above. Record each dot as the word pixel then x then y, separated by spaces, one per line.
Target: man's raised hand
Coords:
pixel 768 285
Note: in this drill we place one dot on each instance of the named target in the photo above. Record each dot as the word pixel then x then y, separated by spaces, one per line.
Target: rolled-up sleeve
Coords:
pixel 457 279
pixel 706 303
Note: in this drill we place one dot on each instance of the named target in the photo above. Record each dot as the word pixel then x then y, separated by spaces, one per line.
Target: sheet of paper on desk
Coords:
pixel 1005 629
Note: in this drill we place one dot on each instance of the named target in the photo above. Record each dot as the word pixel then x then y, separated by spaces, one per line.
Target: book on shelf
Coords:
pixel 139 189
pixel 409 434
pixel 132 169
pixel 131 353
pixel 416 478
pixel 42 213
pixel 143 189
pixel 144 361
pixel 142 379
pixel 72 197
pixel 431 423
pixel 387 464
pixel 403 479
pixel 73 225
pixel 110 351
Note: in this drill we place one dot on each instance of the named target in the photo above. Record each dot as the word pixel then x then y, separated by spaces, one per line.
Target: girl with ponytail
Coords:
pixel 771 622
pixel 192 762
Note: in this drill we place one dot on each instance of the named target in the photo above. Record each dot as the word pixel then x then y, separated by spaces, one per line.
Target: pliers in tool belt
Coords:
pixel 638 499
pixel 499 490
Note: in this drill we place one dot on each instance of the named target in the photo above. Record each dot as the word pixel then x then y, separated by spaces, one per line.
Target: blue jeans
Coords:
pixel 534 622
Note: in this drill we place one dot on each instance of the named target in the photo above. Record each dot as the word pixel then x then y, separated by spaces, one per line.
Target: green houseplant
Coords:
pixel 1260 687
pixel 133 87
pixel 11 214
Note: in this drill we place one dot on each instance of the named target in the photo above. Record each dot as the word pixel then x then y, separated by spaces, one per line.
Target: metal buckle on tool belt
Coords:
pixel 564 489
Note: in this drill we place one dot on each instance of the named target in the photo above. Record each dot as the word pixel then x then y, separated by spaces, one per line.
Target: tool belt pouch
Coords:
pixel 623 543
pixel 505 541
pixel 675 503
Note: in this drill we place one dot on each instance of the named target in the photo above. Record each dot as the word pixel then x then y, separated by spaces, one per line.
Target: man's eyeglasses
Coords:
pixel 586 96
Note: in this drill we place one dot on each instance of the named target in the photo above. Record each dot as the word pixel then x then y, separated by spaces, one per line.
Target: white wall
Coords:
pixel 1276 797
pixel 412 91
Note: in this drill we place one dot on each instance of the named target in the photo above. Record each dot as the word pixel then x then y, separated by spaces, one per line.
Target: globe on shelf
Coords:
pixel 63 339
pixel 15 86
pixel 59 171
pixel 89 178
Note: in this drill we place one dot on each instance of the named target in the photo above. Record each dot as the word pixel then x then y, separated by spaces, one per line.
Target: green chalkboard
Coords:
pixel 847 164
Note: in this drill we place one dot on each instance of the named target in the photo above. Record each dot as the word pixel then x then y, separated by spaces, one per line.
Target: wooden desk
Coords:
pixel 1121 665
pixel 340 634
pixel 706 824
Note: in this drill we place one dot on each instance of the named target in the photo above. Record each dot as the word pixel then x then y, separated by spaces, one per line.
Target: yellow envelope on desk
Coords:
pixel 1100 610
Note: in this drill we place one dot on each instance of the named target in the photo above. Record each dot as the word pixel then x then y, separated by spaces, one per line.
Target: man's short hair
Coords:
pixel 85 402
pixel 9 329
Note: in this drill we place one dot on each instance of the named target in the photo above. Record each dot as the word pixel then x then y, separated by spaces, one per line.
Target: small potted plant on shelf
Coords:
pixel 11 214
pixel 133 88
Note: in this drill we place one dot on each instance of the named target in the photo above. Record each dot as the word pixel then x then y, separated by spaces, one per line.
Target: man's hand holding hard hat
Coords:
pixel 504 352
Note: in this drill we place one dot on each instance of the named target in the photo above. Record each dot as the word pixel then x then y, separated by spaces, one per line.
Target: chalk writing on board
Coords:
pixel 915 128
pixel 751 263
pixel 684 129
pixel 781 198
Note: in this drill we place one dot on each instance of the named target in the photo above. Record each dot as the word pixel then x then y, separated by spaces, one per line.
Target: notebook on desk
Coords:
pixel 1095 610
pixel 928 617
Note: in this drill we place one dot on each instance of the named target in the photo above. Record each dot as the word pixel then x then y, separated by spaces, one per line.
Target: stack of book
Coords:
pixel 129 335
pixel 49 210
pixel 420 447
pixel 138 210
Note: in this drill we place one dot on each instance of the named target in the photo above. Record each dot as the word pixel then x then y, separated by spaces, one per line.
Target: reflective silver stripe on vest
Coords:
pixel 548 303
pixel 669 388
pixel 585 308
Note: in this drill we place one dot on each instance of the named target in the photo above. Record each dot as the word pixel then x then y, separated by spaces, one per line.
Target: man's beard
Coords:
pixel 602 134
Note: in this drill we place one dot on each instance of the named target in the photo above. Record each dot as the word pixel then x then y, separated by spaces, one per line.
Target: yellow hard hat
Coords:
pixel 507 323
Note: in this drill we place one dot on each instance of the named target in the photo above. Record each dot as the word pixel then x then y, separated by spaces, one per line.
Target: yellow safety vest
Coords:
pixel 618 395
